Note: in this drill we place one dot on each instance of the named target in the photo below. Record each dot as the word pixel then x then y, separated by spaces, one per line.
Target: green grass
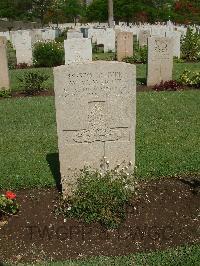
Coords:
pixel 141 71
pixel 167 141
pixel 178 69
pixel 182 256
pixel 15 73
pixel 103 56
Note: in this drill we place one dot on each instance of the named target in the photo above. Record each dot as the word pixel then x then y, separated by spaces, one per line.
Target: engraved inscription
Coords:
pixel 160 46
pixel 97 127
pixel 83 83
pixel 161 50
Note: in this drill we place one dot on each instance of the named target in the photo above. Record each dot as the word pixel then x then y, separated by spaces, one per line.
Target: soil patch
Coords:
pixel 165 214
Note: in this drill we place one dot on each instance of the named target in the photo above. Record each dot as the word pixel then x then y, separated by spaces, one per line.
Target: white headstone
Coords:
pixel 96 116
pixel 4 77
pixel 78 50
pixel 74 34
pixel 22 41
pixel 160 60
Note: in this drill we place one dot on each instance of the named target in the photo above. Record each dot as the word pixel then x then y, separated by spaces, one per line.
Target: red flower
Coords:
pixel 10 195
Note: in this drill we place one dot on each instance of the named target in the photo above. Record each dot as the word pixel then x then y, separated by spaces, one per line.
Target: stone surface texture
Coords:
pixel 4 77
pixel 160 60
pixel 78 50
pixel 124 45
pixel 96 116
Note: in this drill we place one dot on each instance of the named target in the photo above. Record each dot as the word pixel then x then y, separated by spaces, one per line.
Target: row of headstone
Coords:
pixel 23 40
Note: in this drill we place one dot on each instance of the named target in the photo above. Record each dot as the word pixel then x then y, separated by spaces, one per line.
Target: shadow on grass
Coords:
pixel 141 81
pixel 54 164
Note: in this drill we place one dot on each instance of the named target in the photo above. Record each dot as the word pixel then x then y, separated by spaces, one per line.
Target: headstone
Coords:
pixel 176 39
pixel 96 116
pixel 22 42
pixel 143 37
pixel 74 34
pixel 160 60
pixel 124 45
pixel 4 77
pixel 109 40
pixel 78 50
pixel 85 32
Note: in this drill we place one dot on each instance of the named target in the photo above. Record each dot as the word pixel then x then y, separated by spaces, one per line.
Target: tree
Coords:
pixel 73 9
pixel 40 8
pixel 110 14
pixel 15 9
pixel 97 11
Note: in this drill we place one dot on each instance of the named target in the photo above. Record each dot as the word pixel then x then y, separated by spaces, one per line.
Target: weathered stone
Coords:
pixel 176 39
pixel 22 41
pixel 78 50
pixel 124 45
pixel 160 60
pixel 4 77
pixel 143 37
pixel 96 116
pixel 74 34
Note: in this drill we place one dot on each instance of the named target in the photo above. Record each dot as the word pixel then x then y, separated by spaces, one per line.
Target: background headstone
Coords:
pixel 4 77
pixel 96 116
pixel 143 37
pixel 22 42
pixel 176 40
pixel 160 60
pixel 78 50
pixel 124 45
pixel 74 34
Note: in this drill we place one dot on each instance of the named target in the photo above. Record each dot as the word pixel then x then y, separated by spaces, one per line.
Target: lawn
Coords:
pixel 167 139
pixel 177 70
pixel 141 71
pixel 184 256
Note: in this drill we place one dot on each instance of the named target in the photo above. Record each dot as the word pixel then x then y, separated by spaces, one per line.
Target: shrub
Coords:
pixel 171 85
pixel 32 82
pixel 11 55
pixel 62 36
pixel 140 55
pixel 48 54
pixel 191 79
pixel 5 93
pixel 8 203
pixel 190 46
pixel 100 197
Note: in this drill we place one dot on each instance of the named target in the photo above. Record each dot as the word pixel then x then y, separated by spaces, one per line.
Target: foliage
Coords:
pixel 171 85
pixel 40 8
pixel 11 55
pixel 190 46
pixel 100 197
pixel 97 11
pixel 190 78
pixel 73 9
pixel 8 203
pixel 17 9
pixel 140 55
pixel 32 82
pixel 62 36
pixel 5 93
pixel 48 54
pixel 187 11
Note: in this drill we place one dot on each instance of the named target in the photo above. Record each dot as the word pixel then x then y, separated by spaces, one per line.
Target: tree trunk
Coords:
pixel 110 14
